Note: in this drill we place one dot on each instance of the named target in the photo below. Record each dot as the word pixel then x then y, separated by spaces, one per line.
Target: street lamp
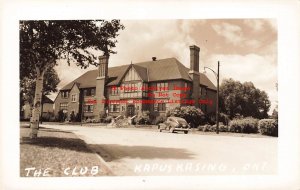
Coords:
pixel 217 110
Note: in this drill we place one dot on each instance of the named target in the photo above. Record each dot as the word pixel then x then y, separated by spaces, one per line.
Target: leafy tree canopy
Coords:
pixel 42 42
pixel 244 99
pixel 27 85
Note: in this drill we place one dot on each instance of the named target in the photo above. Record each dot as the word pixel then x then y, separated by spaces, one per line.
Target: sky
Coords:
pixel 246 49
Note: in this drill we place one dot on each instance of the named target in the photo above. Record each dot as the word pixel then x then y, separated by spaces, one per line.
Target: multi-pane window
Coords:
pixel 88 108
pixel 63 106
pixel 131 87
pixel 114 107
pixel 160 107
pixel 92 92
pixel 162 86
pixel 73 97
pixel 114 90
pixel 89 92
pixel 145 87
pixel 131 90
pixel 203 91
pixel 64 94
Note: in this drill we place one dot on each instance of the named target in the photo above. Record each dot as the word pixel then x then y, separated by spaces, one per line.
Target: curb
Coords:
pixel 104 166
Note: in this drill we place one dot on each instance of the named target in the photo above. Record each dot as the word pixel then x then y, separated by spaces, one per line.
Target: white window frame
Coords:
pixel 75 97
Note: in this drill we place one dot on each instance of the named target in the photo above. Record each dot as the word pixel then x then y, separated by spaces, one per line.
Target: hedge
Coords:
pixel 191 114
pixel 213 128
pixel 268 127
pixel 244 125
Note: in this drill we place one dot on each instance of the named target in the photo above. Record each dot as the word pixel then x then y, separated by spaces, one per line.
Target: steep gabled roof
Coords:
pixel 47 100
pixel 142 72
pixel 88 79
pixel 206 82
pixel 150 71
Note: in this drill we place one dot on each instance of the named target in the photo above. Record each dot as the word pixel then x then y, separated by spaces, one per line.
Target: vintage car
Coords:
pixel 173 124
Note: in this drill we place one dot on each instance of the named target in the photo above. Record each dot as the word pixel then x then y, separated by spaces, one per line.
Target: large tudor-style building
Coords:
pixel 153 86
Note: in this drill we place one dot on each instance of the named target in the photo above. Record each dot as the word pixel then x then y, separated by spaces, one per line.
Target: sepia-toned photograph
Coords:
pixel 160 97
pixel 134 95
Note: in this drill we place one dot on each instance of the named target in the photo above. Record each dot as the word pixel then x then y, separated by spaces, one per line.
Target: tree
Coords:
pixel 275 110
pixel 43 43
pixel 27 86
pixel 191 114
pixel 243 99
pixel 28 80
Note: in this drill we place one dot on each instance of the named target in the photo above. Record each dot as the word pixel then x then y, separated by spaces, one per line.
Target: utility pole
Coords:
pixel 218 110
pixel 217 75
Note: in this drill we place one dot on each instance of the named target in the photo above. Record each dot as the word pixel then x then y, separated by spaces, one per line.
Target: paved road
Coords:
pixel 148 152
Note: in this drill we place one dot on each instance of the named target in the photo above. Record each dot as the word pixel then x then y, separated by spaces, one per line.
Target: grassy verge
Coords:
pixel 62 152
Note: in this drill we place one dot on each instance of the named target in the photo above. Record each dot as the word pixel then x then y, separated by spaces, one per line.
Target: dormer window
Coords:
pixel 65 94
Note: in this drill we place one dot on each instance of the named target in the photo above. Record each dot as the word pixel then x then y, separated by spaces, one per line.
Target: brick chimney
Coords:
pixel 100 86
pixel 194 73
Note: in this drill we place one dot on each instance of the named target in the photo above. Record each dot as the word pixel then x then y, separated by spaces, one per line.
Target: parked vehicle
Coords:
pixel 173 124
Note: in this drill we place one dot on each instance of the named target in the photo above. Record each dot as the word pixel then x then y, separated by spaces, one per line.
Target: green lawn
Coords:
pixel 58 151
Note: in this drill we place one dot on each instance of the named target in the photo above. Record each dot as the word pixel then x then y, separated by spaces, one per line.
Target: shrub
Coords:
pixel 244 125
pixel 53 119
pixel 72 116
pixel 268 127
pixel 224 118
pixel 210 118
pixel 141 120
pixel 78 117
pixel 102 115
pixel 207 128
pixel 222 127
pixel 200 128
pixel 108 119
pixel 160 119
pixel 191 114
pixel 61 116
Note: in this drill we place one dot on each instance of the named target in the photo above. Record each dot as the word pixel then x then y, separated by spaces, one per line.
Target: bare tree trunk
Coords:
pixel 42 107
pixel 34 121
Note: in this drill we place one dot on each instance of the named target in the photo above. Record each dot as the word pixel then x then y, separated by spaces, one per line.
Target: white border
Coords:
pixel 287 15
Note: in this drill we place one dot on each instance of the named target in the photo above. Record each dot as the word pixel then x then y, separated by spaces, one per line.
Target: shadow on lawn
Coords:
pixel 55 142
pixel 117 151
pixel 142 152
pixel 53 130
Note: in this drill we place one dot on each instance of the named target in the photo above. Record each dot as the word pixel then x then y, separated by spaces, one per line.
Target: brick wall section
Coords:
pixel 47 107
pixel 211 95
pixel 59 99
pixel 74 105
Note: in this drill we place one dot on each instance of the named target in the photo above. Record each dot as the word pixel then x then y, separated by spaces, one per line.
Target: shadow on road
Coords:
pixel 112 152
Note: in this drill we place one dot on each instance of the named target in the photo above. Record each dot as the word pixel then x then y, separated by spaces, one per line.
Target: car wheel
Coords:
pixel 172 130
pixel 185 132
